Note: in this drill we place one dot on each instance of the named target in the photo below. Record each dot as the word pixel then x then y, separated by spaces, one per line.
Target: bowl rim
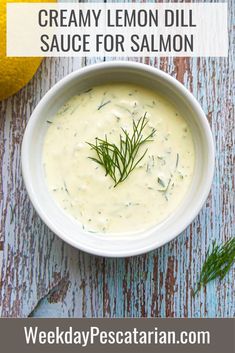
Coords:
pixel 112 65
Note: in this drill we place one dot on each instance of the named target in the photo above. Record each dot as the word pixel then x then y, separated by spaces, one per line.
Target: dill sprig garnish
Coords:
pixel 120 160
pixel 217 263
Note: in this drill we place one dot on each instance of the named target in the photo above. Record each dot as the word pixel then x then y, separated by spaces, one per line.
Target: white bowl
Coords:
pixel 68 228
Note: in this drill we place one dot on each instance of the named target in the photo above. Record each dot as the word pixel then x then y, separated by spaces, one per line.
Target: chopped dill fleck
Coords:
pixel 164 191
pixel 162 160
pixel 177 161
pixel 166 138
pixel 150 164
pixel 117 117
pixel 161 182
pixel 89 90
pixel 63 109
pixel 181 175
pixel 49 122
pixel 65 187
pixel 103 104
pixel 124 108
pixel 74 109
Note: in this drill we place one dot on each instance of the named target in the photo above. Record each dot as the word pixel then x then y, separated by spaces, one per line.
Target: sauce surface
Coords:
pixel 151 192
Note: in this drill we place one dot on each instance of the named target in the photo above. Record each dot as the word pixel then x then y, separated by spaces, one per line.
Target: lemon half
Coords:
pixel 15 73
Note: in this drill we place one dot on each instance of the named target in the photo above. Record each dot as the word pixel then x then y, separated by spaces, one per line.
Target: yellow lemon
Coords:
pixel 14 72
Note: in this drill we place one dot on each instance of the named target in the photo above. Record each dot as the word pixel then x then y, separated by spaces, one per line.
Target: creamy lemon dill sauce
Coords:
pixel 150 192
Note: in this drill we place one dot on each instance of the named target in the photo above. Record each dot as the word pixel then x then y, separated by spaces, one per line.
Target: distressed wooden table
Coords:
pixel 43 276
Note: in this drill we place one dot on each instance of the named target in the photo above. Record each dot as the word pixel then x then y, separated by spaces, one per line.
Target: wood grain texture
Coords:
pixel 43 276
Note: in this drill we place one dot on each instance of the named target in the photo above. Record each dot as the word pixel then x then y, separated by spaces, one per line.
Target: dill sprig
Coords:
pixel 120 160
pixel 217 263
